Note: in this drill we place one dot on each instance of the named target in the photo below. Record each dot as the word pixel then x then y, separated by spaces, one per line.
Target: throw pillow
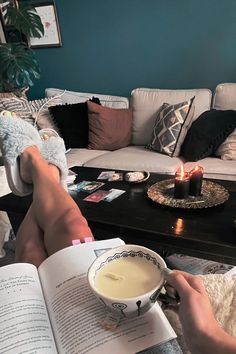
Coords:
pixel 19 94
pixel 35 112
pixel 72 122
pixel 109 128
pixel 227 150
pixel 171 126
pixel 207 133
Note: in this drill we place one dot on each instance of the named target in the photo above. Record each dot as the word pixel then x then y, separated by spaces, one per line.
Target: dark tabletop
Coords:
pixel 207 233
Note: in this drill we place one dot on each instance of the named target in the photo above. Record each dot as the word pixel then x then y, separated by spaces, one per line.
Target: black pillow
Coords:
pixel 207 133
pixel 72 122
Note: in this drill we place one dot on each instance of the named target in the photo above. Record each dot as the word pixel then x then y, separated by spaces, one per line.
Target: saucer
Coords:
pixel 135 176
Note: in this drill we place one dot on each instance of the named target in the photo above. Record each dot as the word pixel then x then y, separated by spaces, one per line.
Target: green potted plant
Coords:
pixel 19 67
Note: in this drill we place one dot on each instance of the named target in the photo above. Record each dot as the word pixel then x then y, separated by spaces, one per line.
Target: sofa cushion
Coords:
pixel 171 127
pixel 34 112
pixel 77 97
pixel 109 128
pixel 207 133
pixel 136 158
pixel 214 167
pixel 146 102
pixel 78 157
pixel 227 150
pixel 224 96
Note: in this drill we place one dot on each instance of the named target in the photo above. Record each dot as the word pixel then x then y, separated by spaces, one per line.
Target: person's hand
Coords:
pixel 201 330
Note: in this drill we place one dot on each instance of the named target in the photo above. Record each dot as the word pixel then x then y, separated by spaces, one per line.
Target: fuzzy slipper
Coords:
pixel 47 133
pixel 15 136
pixel 53 150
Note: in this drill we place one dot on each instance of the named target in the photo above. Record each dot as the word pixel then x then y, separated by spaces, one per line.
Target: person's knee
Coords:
pixel 31 254
pixel 71 221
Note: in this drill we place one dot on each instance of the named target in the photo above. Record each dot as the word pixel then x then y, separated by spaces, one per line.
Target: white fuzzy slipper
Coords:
pixel 15 136
pixel 47 133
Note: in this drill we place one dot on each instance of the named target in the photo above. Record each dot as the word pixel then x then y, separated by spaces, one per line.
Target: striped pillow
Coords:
pixel 34 112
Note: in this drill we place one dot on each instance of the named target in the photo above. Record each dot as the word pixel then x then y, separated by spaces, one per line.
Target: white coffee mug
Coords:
pixel 127 279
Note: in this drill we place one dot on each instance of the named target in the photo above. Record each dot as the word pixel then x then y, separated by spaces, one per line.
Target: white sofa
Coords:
pixel 144 104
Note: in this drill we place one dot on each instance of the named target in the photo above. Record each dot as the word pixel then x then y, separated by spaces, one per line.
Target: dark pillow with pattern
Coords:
pixel 72 122
pixel 207 133
pixel 171 126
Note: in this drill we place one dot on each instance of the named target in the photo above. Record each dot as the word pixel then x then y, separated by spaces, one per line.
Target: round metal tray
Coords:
pixel 212 194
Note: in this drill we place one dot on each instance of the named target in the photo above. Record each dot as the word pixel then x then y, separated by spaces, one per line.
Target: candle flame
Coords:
pixel 181 172
pixel 197 168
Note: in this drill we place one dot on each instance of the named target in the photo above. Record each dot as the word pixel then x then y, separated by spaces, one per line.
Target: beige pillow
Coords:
pixel 227 150
pixel 109 128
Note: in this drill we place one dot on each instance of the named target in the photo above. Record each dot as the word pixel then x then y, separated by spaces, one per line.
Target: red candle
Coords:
pixel 181 189
pixel 196 176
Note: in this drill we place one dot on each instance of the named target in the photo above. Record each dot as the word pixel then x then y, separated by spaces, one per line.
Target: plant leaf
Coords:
pixel 26 20
pixel 18 67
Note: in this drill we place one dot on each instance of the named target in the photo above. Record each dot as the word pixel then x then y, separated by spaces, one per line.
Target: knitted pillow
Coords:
pixel 35 112
pixel 207 133
pixel 72 122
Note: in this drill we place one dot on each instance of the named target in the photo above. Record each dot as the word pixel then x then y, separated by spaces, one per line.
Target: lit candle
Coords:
pixel 181 189
pixel 195 186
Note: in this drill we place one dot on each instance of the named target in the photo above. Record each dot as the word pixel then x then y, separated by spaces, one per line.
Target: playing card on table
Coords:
pixel 92 186
pixel 113 193
pixel 97 196
pixel 105 174
pixel 77 187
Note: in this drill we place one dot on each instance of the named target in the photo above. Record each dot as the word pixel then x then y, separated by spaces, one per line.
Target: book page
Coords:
pixel 76 314
pixel 24 323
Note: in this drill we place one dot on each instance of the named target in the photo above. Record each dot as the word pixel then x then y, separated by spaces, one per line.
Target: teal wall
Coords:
pixel 113 46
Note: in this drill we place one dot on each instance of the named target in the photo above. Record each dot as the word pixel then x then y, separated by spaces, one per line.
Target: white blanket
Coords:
pixel 222 294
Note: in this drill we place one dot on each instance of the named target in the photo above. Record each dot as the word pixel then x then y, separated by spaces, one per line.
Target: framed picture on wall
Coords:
pixel 48 14
pixel 2 33
pixel 8 33
pixel 3 9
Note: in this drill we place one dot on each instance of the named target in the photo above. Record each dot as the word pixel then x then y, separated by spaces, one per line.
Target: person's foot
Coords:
pixel 27 159
pixel 16 135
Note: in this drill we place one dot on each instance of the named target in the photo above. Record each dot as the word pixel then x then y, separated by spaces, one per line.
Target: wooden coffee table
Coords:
pixel 207 233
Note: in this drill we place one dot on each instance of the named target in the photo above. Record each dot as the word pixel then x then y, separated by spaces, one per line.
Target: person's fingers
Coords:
pixel 194 281
pixel 179 282
pixel 197 284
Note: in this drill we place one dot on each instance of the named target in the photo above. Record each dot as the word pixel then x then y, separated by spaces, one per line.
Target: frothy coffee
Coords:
pixel 127 277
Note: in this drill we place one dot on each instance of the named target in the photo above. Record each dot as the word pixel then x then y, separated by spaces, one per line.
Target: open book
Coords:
pixel 52 310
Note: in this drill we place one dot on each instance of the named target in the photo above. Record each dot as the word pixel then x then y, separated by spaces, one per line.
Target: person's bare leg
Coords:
pixel 29 241
pixel 54 210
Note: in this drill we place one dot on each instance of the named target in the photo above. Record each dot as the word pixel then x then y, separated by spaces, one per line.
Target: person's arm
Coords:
pixel 202 332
